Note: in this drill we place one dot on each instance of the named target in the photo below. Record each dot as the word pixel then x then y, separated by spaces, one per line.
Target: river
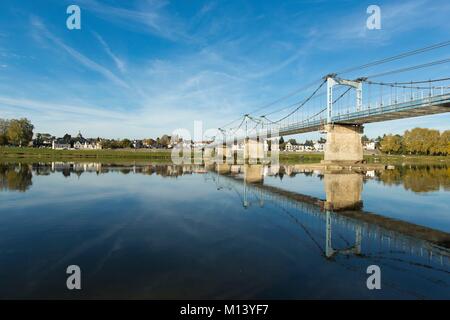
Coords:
pixel 157 231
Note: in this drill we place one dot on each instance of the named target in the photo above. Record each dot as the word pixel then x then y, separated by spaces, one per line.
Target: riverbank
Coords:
pixel 12 154
pixel 118 155
pixel 314 158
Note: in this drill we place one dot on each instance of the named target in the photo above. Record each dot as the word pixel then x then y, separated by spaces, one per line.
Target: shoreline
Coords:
pixel 310 159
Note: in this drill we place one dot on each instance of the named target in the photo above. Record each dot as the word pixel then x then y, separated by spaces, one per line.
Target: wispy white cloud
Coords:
pixel 120 64
pixel 36 23
pixel 207 7
pixel 148 17
pixel 396 18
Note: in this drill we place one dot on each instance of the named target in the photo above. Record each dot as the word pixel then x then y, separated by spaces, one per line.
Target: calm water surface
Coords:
pixel 163 231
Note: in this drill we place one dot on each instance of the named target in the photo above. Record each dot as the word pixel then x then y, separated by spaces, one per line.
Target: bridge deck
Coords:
pixel 410 109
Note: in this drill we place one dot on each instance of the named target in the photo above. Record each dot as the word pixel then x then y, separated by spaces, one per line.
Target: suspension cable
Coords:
pixel 429 64
pixel 396 57
pixel 302 104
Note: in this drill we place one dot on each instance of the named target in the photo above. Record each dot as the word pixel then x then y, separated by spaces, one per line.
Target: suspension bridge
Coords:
pixel 340 107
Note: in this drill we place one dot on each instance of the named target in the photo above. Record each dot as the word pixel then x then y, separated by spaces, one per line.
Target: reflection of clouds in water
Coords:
pixel 59 199
pixel 170 234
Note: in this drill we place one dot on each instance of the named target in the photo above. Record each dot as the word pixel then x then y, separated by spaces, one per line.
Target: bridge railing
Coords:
pixel 394 107
pixel 408 99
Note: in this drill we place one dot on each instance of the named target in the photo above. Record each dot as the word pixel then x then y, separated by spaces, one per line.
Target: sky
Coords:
pixel 143 68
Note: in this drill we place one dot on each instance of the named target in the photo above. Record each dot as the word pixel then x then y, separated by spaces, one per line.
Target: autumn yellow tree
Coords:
pixel 391 143
pixel 425 141
pixel 20 132
pixel 444 143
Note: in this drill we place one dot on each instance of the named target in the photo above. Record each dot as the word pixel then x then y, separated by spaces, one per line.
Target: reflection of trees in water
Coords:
pixel 414 178
pixel 41 169
pixel 66 172
pixel 15 177
pixel 418 178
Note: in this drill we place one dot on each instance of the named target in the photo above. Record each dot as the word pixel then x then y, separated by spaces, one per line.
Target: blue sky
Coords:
pixel 144 68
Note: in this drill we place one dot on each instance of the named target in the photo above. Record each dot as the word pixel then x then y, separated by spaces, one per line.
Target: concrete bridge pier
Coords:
pixel 223 168
pixel 343 191
pixel 223 154
pixel 253 151
pixel 253 173
pixel 343 144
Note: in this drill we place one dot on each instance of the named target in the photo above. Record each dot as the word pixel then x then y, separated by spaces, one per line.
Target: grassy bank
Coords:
pixel 407 159
pixel 299 157
pixel 12 154
pixel 9 153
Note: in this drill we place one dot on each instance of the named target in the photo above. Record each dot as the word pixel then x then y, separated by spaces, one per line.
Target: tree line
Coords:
pixel 16 132
pixel 418 141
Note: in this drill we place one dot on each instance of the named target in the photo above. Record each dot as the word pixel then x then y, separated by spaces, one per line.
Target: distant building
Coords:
pixel 370 145
pixel 59 144
pixel 291 147
pixel 318 146
pixel 43 140
pixel 81 143
pixel 201 144
pixel 370 173
pixel 78 143
pixel 87 145
pixel 137 144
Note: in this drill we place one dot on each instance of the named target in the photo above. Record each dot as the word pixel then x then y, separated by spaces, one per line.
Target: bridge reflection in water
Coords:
pixel 326 221
pixel 335 233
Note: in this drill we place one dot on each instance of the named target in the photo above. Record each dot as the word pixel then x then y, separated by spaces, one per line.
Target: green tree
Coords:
pixel 309 143
pixel 67 138
pixel 165 140
pixel 106 144
pixel 150 142
pixel 126 143
pixel 365 139
pixel 282 144
pixel 20 132
pixel 378 141
pixel 4 124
